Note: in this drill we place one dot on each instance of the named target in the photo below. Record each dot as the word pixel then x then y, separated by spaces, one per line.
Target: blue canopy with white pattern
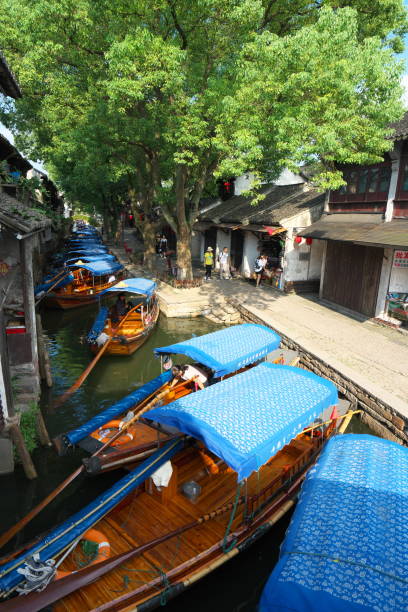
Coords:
pixel 227 350
pixel 140 286
pixel 247 418
pixel 100 267
pixel 346 549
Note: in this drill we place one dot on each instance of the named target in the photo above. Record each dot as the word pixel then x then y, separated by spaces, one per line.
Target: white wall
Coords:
pixel 384 282
pixel 223 240
pixel 250 253
pixel 3 392
pixel 287 177
pixel 196 245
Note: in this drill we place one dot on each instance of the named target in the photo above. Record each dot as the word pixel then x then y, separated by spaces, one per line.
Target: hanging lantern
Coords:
pixel 298 240
pixel 309 241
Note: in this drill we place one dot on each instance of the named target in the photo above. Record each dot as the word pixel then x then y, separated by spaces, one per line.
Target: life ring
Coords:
pixel 92 535
pixel 104 433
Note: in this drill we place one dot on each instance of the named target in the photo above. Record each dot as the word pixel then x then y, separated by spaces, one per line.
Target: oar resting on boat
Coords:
pixel 146 404
pixel 93 363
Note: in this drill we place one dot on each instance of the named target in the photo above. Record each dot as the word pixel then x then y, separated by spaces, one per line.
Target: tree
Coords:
pixel 168 95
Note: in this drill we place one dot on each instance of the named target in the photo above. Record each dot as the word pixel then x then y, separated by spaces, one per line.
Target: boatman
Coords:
pixel 187 372
pixel 119 309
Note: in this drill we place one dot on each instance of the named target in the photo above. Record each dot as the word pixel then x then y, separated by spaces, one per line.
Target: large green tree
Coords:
pixel 161 96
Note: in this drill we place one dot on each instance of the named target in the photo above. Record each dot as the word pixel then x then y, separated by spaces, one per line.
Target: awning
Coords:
pixel 392 234
pixel 248 418
pixel 229 349
pixel 99 268
pixel 141 286
pixel 346 548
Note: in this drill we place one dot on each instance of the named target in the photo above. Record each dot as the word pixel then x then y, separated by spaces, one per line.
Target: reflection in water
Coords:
pixel 236 586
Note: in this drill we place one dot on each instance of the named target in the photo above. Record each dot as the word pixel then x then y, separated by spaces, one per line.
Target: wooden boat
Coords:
pixel 90 279
pixel 233 469
pixel 127 335
pixel 347 547
pixel 222 353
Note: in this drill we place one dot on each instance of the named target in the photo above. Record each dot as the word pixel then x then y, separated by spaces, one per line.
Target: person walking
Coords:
pixel 208 262
pixel 224 260
pixel 260 263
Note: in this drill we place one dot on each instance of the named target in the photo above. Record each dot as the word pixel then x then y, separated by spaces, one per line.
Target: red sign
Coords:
pixel 400 259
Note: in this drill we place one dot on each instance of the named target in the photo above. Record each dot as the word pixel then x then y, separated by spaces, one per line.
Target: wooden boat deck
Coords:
pixel 149 514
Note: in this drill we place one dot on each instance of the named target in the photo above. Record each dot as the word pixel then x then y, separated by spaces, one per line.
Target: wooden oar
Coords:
pixel 93 363
pixel 77 580
pixel 54 285
pixel 6 537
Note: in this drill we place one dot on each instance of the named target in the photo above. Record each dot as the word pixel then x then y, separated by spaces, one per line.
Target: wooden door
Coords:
pixel 352 275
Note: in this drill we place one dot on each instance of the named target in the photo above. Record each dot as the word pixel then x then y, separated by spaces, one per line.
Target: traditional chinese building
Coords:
pixel 364 233
pixel 270 227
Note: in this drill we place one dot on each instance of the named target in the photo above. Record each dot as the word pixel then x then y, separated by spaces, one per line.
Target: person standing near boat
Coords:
pixel 208 262
pixel 224 260
pixel 119 309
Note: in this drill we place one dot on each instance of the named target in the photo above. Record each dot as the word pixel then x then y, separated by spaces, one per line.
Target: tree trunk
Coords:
pixel 184 265
pixel 149 243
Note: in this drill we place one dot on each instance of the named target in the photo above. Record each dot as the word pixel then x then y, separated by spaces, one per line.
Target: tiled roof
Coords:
pixel 393 233
pixel 19 217
pixel 400 128
pixel 8 84
pixel 280 202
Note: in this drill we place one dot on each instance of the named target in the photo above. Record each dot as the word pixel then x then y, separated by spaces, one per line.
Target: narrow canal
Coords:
pixel 235 587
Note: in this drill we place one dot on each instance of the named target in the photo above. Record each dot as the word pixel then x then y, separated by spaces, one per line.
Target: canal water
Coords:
pixel 237 585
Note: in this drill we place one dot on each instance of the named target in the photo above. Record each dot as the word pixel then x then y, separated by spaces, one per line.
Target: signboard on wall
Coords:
pixel 400 259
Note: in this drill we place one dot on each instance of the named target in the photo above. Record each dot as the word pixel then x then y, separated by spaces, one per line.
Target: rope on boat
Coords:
pixel 225 546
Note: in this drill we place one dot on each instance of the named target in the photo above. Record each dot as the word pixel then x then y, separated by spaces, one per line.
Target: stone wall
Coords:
pixel 223 313
pixel 382 418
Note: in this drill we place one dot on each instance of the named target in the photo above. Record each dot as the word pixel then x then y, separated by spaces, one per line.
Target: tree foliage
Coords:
pixel 150 100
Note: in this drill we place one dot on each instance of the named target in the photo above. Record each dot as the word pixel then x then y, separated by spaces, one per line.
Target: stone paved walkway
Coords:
pixel 374 357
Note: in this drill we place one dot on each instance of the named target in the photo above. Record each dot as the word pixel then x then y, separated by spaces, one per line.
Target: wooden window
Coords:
pixel 367 188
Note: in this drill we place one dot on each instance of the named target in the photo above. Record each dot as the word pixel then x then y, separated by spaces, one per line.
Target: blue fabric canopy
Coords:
pixel 74 527
pixel 247 418
pixel 99 268
pixel 119 408
pixel 229 349
pixel 141 286
pixel 98 325
pixel 88 258
pixel 346 549
pixel 87 250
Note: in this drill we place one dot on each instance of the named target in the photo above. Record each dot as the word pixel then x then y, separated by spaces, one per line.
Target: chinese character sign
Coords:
pixel 400 259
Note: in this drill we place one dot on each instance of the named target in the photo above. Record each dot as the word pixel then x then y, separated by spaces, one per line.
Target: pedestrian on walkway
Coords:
pixel 224 260
pixel 260 263
pixel 208 262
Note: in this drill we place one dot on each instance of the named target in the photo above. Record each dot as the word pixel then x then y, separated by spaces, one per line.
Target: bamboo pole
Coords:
pixel 63 398
pixel 6 537
pixel 63 587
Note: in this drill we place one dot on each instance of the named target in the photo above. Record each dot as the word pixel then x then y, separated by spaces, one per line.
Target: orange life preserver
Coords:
pixel 209 463
pixel 103 433
pixel 92 535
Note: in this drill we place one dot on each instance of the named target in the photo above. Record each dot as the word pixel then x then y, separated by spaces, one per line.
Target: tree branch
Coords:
pixel 178 27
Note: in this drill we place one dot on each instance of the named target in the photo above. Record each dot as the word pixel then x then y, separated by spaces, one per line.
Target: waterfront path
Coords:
pixel 372 356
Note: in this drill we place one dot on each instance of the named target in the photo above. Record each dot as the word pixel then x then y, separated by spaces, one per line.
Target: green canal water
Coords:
pixel 237 585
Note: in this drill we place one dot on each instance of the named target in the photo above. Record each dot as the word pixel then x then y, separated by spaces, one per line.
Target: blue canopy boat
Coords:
pixel 346 549
pixel 223 352
pixel 90 279
pixel 127 330
pixel 235 465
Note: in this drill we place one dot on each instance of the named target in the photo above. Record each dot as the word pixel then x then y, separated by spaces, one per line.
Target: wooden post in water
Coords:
pixel 13 425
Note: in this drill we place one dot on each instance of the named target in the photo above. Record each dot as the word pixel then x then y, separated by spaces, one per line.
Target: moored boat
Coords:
pixel 89 280
pixel 221 353
pixel 346 548
pixel 125 334
pixel 234 468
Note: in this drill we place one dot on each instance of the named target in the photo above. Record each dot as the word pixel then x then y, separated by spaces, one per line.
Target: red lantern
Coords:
pixel 298 240
pixel 309 241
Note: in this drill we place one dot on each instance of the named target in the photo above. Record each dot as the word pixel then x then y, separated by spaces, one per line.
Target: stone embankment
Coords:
pixel 380 416
pixel 222 313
